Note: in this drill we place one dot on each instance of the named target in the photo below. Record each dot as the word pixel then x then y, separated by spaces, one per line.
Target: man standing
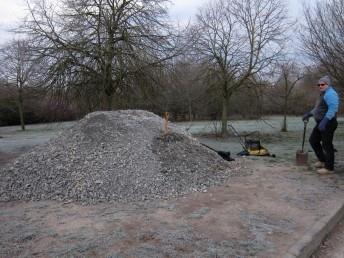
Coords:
pixel 325 115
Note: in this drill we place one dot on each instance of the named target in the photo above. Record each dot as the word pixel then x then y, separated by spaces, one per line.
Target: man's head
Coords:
pixel 324 83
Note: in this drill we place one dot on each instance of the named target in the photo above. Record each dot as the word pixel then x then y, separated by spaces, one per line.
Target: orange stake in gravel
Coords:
pixel 165 125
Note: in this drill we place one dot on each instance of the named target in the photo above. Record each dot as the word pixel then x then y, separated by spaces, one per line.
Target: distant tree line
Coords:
pixel 80 56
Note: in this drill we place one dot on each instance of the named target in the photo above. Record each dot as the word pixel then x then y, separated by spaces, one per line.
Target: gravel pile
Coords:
pixel 121 156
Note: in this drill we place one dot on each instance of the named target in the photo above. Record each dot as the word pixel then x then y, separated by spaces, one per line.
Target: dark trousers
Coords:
pixel 322 145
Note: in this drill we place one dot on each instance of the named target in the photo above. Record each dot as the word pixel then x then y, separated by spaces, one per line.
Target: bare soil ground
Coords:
pixel 260 213
pixel 6 157
pixel 333 246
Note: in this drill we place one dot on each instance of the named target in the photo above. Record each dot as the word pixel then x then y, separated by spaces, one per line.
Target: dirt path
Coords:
pixel 6 157
pixel 260 213
pixel 333 246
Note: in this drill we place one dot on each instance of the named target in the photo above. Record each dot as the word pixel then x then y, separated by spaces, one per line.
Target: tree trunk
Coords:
pixel 190 111
pixel 20 109
pixel 225 100
pixel 224 114
pixel 108 89
pixel 284 126
pixel 285 108
pixel 109 99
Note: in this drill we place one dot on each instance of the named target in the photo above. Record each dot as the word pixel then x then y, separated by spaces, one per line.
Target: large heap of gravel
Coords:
pixel 121 156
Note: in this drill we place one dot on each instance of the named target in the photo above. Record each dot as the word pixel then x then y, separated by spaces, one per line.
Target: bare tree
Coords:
pixel 239 39
pixel 323 35
pixel 290 75
pixel 99 42
pixel 185 87
pixel 17 70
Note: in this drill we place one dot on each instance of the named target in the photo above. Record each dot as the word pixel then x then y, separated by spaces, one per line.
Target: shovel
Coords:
pixel 226 155
pixel 301 156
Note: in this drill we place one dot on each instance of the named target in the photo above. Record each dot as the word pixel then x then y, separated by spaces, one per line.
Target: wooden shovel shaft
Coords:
pixel 304 135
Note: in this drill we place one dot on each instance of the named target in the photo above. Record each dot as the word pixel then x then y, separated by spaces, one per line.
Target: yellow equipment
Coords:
pixel 251 147
pixel 254 148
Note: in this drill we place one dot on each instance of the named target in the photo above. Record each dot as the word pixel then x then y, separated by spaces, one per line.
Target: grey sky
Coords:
pixel 183 10
pixel 11 11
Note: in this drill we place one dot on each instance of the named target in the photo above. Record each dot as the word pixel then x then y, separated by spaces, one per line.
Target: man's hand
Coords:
pixel 322 125
pixel 306 116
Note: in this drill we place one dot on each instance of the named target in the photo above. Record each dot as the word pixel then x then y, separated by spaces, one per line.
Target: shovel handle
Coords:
pixel 304 134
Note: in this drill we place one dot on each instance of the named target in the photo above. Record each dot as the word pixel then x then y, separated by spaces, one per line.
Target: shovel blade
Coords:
pixel 301 158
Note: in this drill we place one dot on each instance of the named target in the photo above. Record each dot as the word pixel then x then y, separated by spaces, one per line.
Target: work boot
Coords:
pixel 319 164
pixel 324 171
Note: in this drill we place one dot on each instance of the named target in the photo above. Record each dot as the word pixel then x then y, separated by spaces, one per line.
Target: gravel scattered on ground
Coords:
pixel 114 156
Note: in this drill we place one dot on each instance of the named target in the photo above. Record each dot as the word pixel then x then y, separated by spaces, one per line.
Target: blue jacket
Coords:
pixel 327 105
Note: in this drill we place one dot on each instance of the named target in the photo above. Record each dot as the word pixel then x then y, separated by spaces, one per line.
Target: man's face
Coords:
pixel 322 86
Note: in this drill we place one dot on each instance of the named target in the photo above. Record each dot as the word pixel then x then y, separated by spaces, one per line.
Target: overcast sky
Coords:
pixel 182 10
pixel 185 9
